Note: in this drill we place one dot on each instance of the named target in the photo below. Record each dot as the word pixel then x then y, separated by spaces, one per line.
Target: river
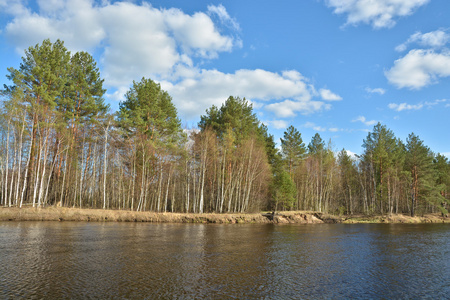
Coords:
pixel 60 260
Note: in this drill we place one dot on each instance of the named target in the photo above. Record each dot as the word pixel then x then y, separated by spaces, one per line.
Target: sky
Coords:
pixel 333 67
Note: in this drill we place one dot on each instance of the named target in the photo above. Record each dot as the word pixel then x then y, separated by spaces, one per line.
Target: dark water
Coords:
pixel 184 261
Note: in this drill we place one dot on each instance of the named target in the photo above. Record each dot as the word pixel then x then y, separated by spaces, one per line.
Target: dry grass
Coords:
pixel 99 215
pixel 397 218
pixel 93 215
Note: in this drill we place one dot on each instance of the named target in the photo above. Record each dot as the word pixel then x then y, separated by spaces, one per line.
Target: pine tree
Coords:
pixel 348 181
pixel 380 146
pixel 419 162
pixel 150 123
pixel 292 148
pixel 442 167
pixel 284 191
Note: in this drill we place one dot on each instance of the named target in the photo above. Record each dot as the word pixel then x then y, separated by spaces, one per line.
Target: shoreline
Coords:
pixel 283 217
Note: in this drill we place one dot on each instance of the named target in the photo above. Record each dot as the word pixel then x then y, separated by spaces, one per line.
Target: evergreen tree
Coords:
pixel 151 125
pixel 292 148
pixel 316 146
pixel 148 110
pixel 380 146
pixel 348 181
pixel 284 191
pixel 419 162
pixel 442 168
pixel 235 114
pixel 59 91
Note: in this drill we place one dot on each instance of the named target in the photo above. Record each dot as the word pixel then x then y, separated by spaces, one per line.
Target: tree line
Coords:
pixel 61 145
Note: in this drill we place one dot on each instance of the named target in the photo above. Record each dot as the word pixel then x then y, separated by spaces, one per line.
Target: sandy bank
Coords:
pixel 99 215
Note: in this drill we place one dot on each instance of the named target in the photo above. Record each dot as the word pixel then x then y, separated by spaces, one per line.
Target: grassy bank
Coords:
pixel 99 215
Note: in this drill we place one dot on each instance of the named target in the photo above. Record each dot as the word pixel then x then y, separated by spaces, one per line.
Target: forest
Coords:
pixel 61 145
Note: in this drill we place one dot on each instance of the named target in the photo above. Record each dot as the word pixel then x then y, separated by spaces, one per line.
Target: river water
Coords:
pixel 60 260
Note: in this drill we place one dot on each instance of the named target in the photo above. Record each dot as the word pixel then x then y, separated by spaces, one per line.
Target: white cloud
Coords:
pixel 363 120
pixel 194 94
pixel 196 33
pixel 14 7
pixel 376 91
pixel 166 45
pixel 419 68
pixel 314 127
pixel 329 95
pixel 378 13
pixel 75 22
pixel 289 108
pixel 351 154
pixel 223 15
pixel 435 102
pixel 138 39
pixel 404 106
pixel 277 124
pixel 433 39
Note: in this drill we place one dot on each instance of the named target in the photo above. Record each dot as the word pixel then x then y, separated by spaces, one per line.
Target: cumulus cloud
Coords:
pixel 289 108
pixel 380 91
pixel 379 14
pixel 433 39
pixel 138 40
pixel 329 95
pixel 277 124
pixel 363 120
pixel 419 68
pixel 194 94
pixel 75 22
pixel 404 106
pixel 196 33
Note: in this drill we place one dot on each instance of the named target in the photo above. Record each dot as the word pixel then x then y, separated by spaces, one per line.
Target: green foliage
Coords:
pixel 59 144
pixel 43 73
pixel 442 169
pixel 51 80
pixel 316 146
pixel 292 148
pixel 379 145
pixel 86 88
pixel 148 110
pixel 236 122
pixel 381 150
pixel 237 115
pixel 419 162
pixel 284 191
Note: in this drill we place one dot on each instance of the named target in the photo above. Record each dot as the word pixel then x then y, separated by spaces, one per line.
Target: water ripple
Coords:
pixel 184 261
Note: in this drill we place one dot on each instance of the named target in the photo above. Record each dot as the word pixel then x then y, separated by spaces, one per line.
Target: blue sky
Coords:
pixel 327 66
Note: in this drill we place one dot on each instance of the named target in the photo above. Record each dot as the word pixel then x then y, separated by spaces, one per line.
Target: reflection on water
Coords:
pixel 134 261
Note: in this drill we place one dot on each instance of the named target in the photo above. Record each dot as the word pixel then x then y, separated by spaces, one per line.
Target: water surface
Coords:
pixel 57 260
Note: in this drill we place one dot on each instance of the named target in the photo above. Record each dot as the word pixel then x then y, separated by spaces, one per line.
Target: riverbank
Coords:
pixel 300 217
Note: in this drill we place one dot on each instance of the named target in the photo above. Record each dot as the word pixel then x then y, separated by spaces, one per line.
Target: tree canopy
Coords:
pixel 60 146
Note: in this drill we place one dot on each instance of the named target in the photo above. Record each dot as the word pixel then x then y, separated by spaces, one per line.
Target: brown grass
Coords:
pixel 99 215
